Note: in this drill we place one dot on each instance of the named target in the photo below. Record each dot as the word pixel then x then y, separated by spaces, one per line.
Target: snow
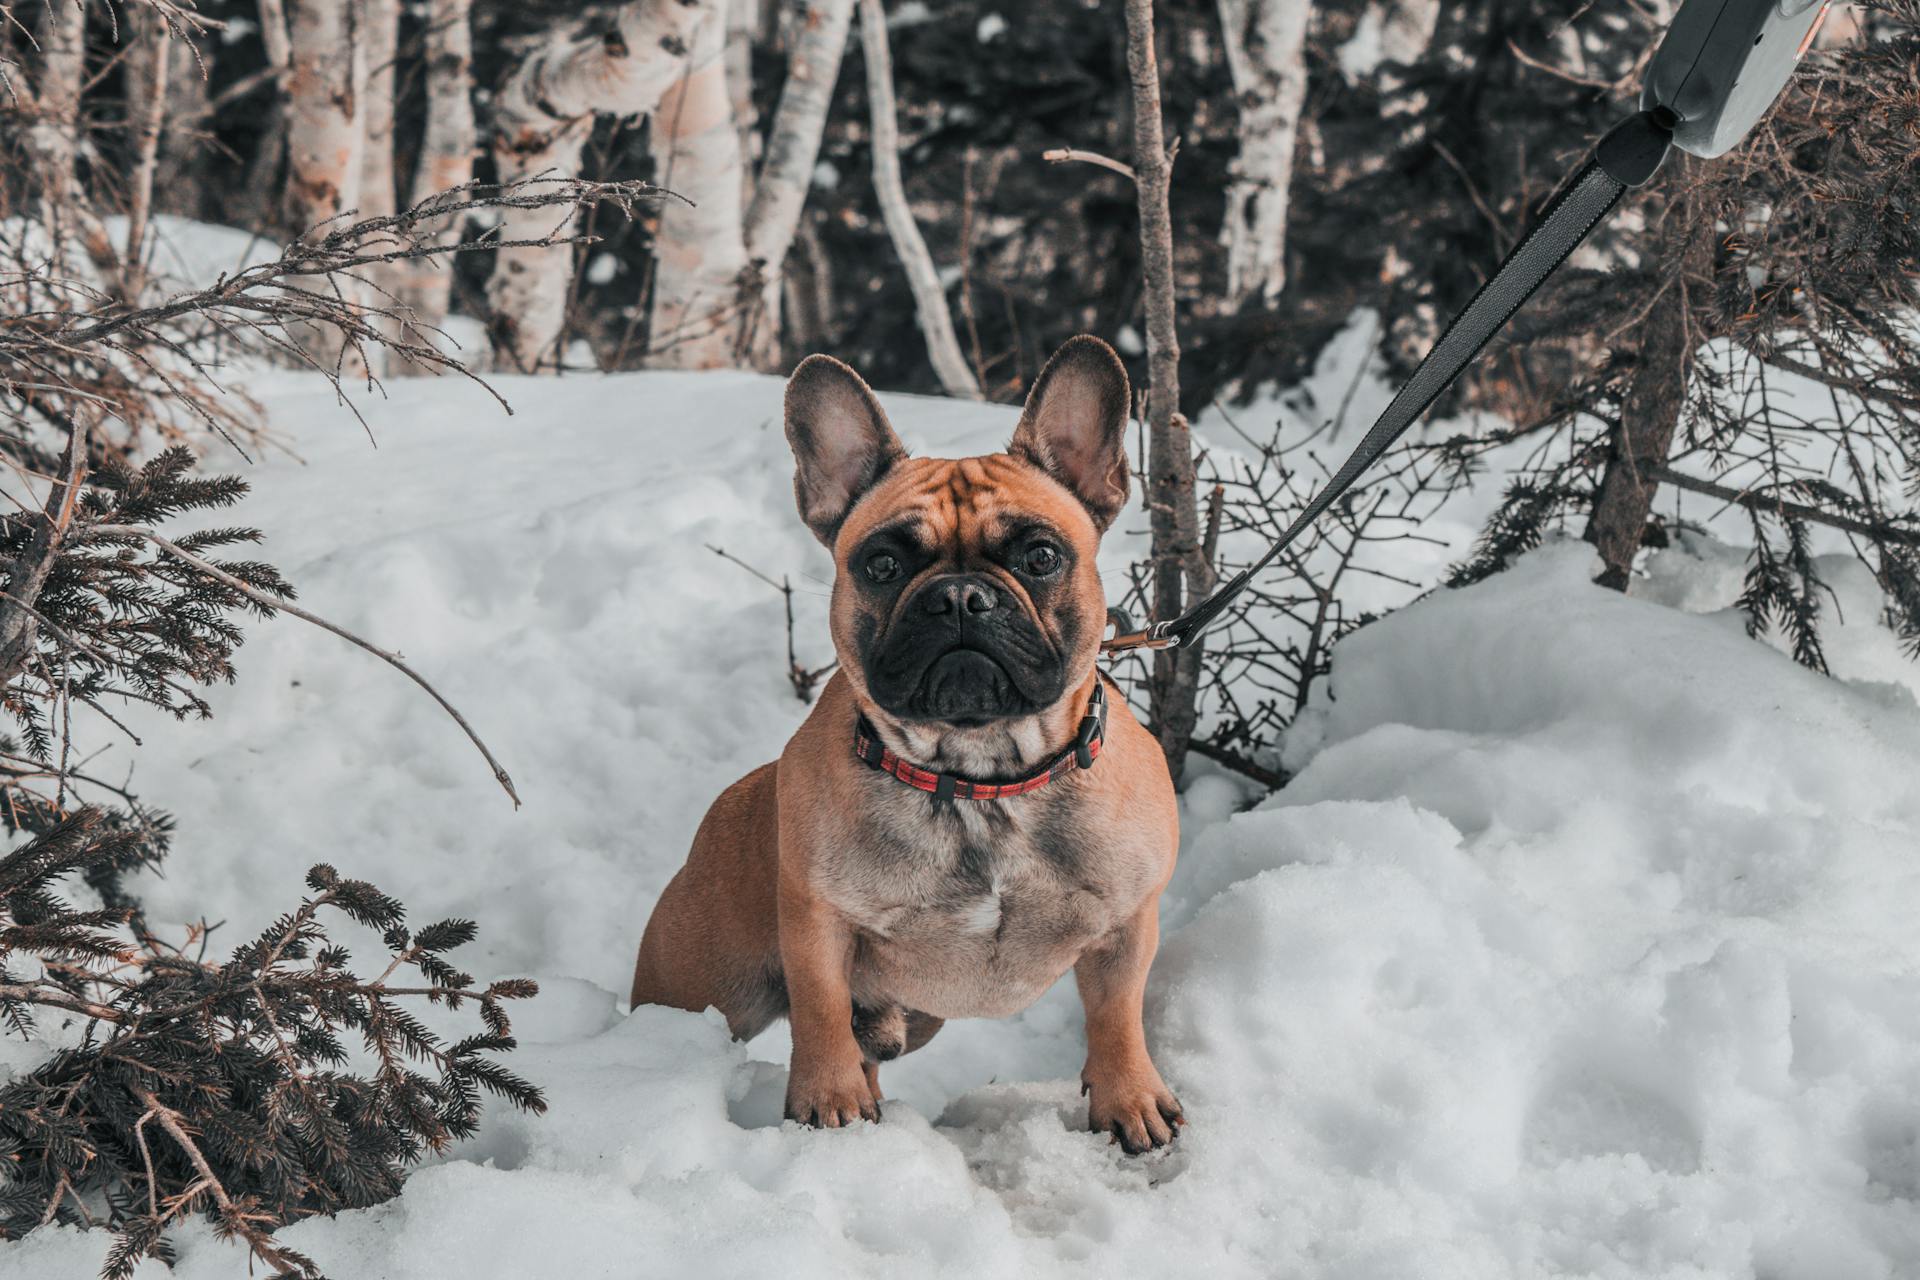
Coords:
pixel 913 13
pixel 1364 51
pixel 602 268
pixel 1580 946
pixel 183 253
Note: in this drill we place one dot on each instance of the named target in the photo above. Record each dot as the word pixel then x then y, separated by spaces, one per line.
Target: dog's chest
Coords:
pixel 973 909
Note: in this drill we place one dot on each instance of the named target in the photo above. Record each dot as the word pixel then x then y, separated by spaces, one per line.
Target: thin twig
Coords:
pixel 730 557
pixel 279 602
pixel 146 1158
pixel 1210 541
pixel 1068 155
pixel 804 679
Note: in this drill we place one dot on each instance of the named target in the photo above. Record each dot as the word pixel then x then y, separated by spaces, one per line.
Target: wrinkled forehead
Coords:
pixel 966 503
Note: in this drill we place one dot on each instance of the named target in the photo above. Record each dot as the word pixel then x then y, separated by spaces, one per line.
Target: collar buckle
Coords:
pixel 1093 727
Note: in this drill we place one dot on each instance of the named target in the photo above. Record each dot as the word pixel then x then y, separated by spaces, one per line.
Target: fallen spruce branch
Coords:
pixel 222 1088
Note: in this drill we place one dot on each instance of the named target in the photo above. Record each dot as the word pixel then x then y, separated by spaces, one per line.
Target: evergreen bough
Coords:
pixel 257 1090
pixel 225 1088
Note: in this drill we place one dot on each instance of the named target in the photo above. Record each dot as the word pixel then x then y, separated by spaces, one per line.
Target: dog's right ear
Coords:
pixel 842 442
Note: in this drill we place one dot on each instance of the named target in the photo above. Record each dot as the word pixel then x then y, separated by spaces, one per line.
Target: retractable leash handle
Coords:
pixel 1722 64
pixel 1718 70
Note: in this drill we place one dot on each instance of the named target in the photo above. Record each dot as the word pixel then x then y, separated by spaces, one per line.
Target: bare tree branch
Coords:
pixel 929 295
pixel 1770 503
pixel 1067 155
pixel 281 603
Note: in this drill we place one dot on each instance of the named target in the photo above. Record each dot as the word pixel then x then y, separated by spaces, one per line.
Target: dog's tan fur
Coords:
pixel 868 912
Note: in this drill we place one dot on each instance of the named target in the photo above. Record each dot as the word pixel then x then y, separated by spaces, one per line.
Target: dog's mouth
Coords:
pixel 965 672
pixel 966 687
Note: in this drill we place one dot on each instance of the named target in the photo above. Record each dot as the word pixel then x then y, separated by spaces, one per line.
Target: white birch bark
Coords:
pixel 743 27
pixel 793 149
pixel 699 249
pixel 929 295
pixel 326 84
pixel 274 36
pixel 148 64
pixel 1265 43
pixel 382 40
pixel 53 136
pixel 446 153
pixel 326 91
pixel 619 62
pixel 54 132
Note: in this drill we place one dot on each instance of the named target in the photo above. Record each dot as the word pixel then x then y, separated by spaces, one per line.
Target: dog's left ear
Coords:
pixel 1075 423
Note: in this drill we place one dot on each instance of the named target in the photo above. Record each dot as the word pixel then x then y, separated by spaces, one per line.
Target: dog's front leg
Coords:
pixel 826 1084
pixel 1127 1097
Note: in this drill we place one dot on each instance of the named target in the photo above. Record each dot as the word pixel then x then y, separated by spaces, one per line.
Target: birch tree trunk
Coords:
pixel 53 137
pixel 446 154
pixel 1265 43
pixel 699 249
pixel 54 134
pixel 382 40
pixel 326 92
pixel 1180 568
pixel 743 27
pixel 929 295
pixel 793 149
pixel 619 62
pixel 326 87
pixel 148 64
pixel 275 36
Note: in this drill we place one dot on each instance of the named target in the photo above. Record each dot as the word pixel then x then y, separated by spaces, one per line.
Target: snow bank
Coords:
pixel 1581 946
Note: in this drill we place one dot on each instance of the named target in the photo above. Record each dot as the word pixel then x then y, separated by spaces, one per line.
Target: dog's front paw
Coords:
pixel 1133 1105
pixel 830 1096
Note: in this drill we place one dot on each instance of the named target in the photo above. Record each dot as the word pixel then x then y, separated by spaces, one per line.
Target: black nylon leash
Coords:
pixel 1627 157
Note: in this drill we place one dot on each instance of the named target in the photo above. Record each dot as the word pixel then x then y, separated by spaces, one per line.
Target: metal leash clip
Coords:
pixel 1127 637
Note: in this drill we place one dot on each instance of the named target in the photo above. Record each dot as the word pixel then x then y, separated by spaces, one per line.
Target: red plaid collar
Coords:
pixel 946 786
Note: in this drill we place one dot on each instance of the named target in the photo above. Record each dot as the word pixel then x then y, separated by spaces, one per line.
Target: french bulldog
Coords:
pixel 968 811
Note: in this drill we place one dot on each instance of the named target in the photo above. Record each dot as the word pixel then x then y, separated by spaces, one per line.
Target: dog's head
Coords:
pixel 966 590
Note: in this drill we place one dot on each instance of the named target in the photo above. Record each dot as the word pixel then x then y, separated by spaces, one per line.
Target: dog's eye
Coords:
pixel 1042 560
pixel 882 567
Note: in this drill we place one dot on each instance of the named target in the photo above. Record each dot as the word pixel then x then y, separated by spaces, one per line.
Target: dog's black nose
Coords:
pixel 959 595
